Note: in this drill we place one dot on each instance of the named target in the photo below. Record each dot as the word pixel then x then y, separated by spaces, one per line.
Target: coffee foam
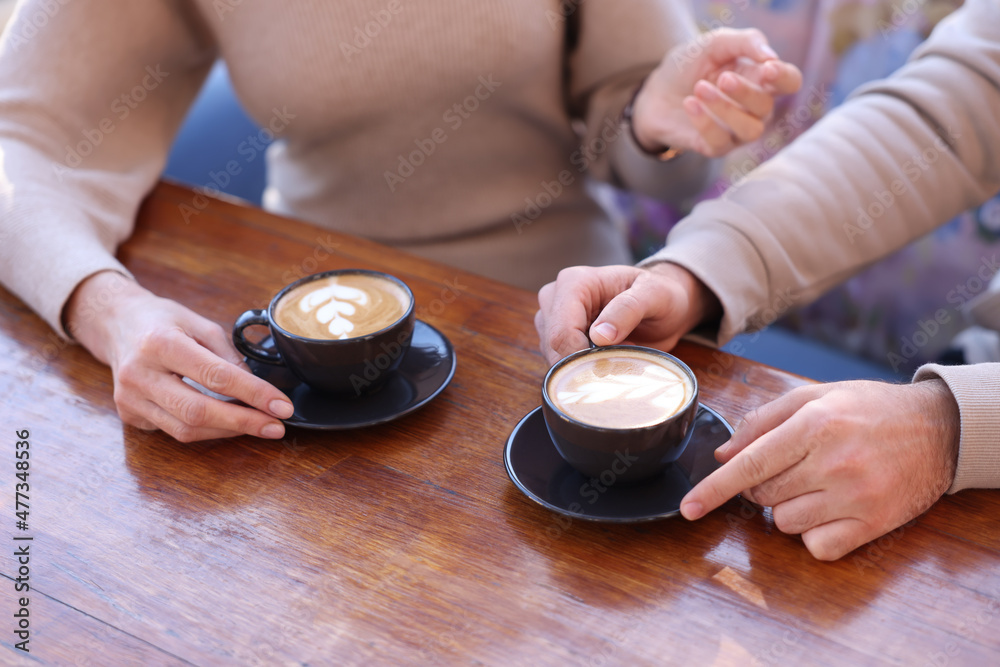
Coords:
pixel 341 307
pixel 620 389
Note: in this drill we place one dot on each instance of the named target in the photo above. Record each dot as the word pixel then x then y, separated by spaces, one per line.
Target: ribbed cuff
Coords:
pixel 728 264
pixel 976 389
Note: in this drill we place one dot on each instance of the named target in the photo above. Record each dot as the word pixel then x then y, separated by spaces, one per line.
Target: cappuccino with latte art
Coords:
pixel 622 413
pixel 620 388
pixel 343 332
pixel 341 306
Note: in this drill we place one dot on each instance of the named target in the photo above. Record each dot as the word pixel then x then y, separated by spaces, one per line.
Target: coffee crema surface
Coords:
pixel 341 306
pixel 620 389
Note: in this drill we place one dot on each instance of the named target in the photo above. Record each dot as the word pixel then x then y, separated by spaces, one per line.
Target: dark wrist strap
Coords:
pixel 662 154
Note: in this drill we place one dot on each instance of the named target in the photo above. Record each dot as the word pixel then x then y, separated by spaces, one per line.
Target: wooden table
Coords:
pixel 406 543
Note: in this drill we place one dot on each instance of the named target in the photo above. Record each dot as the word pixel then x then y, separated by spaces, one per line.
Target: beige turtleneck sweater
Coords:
pixel 440 126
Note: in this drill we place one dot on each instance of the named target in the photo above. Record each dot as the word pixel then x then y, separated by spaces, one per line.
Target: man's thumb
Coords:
pixel 622 314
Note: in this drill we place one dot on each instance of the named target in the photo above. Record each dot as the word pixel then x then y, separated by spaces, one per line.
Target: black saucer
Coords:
pixel 536 468
pixel 425 371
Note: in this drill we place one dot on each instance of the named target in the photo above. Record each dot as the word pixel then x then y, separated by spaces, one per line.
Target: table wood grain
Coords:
pixel 406 543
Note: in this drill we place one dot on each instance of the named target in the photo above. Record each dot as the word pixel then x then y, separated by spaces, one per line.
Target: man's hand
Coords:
pixel 713 93
pixel 150 344
pixel 841 463
pixel 613 304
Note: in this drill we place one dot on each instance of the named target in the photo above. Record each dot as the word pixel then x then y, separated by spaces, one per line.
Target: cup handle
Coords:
pixel 254 351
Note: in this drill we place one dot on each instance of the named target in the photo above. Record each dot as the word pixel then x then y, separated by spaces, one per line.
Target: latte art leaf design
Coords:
pixel 333 305
pixel 665 388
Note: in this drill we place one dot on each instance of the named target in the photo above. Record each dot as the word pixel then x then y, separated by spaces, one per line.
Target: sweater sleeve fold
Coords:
pixel 976 389
pixel 89 104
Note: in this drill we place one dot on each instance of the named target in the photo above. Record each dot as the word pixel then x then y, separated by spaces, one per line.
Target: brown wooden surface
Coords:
pixel 406 543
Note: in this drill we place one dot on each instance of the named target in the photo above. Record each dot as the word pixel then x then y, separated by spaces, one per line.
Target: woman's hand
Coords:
pixel 150 344
pixel 713 93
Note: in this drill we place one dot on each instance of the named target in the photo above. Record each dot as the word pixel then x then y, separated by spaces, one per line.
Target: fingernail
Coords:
pixel 767 51
pixel 272 431
pixel 691 510
pixel 705 91
pixel 281 409
pixel 607 331
pixel 723 449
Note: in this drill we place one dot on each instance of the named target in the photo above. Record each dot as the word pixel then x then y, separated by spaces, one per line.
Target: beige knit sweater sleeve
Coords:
pixel 620 42
pixel 903 156
pixel 94 91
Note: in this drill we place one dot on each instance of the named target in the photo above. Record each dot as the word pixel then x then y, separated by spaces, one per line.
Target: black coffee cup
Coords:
pixel 620 453
pixel 347 367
